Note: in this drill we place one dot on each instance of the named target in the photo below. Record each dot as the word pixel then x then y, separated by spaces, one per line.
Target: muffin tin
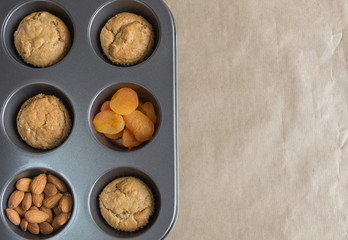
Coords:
pixel 83 80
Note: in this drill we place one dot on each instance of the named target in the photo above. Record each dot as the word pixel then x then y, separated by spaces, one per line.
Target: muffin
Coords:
pixel 43 122
pixel 126 204
pixel 42 39
pixel 127 39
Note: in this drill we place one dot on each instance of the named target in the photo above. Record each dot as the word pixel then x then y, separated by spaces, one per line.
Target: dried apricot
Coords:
pixel 140 125
pixel 124 101
pixel 140 105
pixel 129 140
pixel 114 136
pixel 149 111
pixel 105 106
pixel 108 122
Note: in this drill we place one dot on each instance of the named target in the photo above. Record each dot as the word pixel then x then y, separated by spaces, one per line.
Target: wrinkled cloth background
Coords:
pixel 263 119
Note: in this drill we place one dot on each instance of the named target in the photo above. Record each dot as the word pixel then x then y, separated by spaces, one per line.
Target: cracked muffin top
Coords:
pixel 42 39
pixel 127 39
pixel 126 204
pixel 43 122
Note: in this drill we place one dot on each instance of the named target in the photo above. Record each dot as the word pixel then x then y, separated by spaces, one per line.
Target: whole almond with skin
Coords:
pixel 52 202
pixel 15 199
pixel 27 201
pixel 65 204
pixel 38 199
pixel 57 211
pixel 20 210
pixel 33 208
pixel 33 228
pixel 57 182
pixel 55 224
pixel 24 224
pixel 13 216
pixel 45 228
pixel 50 189
pixel 48 211
pixel 38 184
pixel 36 216
pixel 23 184
pixel 62 218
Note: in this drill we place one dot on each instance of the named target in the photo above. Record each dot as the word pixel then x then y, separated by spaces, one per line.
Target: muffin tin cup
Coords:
pixel 107 93
pixel 10 187
pixel 19 12
pixel 12 107
pixel 79 80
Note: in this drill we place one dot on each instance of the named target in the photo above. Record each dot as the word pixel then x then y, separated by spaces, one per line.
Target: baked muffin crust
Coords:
pixel 126 204
pixel 127 39
pixel 42 39
pixel 43 122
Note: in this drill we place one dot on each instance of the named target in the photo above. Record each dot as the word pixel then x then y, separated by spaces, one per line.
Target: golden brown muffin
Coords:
pixel 127 39
pixel 126 204
pixel 43 122
pixel 42 39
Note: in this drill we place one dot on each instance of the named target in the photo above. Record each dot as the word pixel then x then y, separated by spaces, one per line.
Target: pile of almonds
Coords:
pixel 40 205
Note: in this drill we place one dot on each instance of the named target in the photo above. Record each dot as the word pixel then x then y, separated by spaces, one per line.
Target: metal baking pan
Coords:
pixel 86 161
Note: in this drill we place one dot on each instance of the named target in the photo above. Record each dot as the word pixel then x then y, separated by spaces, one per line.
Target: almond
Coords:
pixel 13 216
pixel 36 216
pixel 45 228
pixel 62 218
pixel 52 202
pixel 66 203
pixel 38 199
pixel 20 210
pixel 24 225
pixel 23 184
pixel 57 211
pixel 48 211
pixel 33 228
pixel 27 201
pixel 50 189
pixel 38 184
pixel 15 199
pixel 57 182
pixel 33 208
pixel 55 225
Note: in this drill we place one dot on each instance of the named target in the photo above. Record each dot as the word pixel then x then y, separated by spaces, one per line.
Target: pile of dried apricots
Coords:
pixel 124 116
